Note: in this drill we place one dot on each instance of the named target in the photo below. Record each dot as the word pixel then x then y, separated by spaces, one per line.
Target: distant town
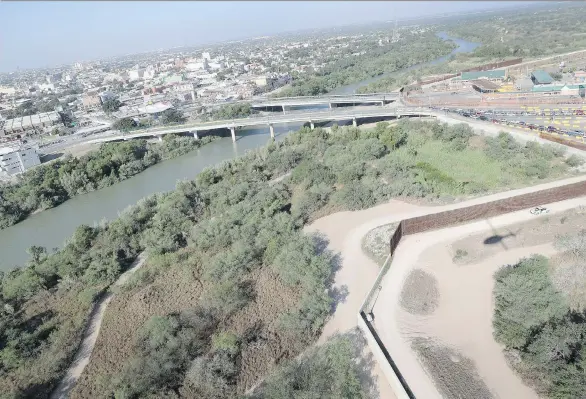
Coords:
pixel 37 107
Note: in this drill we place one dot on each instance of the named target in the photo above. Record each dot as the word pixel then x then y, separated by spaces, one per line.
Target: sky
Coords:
pixel 43 34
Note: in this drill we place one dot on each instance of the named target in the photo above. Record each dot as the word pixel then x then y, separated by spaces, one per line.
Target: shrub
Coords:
pixel 574 160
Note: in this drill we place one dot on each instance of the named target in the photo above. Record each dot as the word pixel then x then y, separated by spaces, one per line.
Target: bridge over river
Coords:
pixel 328 115
pixel 331 100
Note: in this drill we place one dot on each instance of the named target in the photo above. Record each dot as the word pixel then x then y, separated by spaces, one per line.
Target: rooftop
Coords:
pixel 494 74
pixel 541 77
pixel 485 84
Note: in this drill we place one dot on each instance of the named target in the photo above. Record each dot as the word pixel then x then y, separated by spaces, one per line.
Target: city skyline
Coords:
pixel 69 35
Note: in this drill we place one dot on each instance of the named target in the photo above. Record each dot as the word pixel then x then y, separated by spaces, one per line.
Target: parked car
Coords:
pixel 539 210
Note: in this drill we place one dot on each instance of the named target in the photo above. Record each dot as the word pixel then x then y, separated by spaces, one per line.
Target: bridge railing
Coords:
pixel 301 114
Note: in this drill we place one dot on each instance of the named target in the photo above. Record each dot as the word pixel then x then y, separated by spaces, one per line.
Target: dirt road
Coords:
pixel 345 230
pixel 90 335
pixel 464 316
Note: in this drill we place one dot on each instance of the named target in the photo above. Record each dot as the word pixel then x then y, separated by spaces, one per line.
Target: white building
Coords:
pixel 10 91
pixel 17 160
pixel 206 56
pixel 31 124
pixel 135 73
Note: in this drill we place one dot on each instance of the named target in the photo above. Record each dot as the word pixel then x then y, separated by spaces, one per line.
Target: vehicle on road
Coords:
pixel 539 210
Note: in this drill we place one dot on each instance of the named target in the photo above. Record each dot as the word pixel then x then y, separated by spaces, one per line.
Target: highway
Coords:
pixel 382 98
pixel 269 120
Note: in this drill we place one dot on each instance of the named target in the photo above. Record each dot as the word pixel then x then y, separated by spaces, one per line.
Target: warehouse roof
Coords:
pixel 494 74
pixel 485 85
pixel 541 77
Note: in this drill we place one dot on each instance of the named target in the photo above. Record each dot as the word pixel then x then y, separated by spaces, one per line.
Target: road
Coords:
pixel 335 114
pixel 386 309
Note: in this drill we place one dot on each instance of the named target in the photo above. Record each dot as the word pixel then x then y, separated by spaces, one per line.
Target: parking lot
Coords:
pixel 567 121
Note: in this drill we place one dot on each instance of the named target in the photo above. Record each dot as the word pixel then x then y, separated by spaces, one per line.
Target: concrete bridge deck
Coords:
pixel 331 100
pixel 298 116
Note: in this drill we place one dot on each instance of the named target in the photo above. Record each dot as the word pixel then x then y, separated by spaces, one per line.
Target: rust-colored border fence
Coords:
pixel 441 220
pixel 563 140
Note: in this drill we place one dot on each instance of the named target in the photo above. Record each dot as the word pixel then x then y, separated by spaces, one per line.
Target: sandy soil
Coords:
pixel 345 231
pixel 464 315
pixel 82 357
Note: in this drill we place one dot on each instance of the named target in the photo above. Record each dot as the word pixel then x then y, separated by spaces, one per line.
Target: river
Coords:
pixel 52 227
pixel 463 47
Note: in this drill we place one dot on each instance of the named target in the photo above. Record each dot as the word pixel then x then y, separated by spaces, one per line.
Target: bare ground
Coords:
pixel 462 320
pixel 420 295
pixel 455 375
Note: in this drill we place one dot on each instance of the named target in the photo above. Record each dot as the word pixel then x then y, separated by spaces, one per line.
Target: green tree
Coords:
pixel 111 105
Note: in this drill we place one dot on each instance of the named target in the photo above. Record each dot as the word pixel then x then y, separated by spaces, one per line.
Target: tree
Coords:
pixel 172 116
pixel 111 105
pixel 124 124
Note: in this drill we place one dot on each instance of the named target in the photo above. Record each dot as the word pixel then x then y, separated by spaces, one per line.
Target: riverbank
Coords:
pixel 51 227
pixel 49 185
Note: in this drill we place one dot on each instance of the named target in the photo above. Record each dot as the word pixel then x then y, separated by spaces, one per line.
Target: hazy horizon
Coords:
pixel 48 34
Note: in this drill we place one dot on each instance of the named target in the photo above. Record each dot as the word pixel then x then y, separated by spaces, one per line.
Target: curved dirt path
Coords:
pixel 90 335
pixel 464 316
pixel 344 231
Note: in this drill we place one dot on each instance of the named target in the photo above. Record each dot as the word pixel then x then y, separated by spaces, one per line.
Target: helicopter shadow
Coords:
pixel 497 238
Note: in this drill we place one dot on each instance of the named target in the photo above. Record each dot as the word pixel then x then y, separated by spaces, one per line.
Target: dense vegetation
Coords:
pixel 503 36
pixel 231 224
pixel 232 111
pixel 375 62
pixel 168 117
pixel 49 185
pixel 515 34
pixel 329 371
pixel 534 322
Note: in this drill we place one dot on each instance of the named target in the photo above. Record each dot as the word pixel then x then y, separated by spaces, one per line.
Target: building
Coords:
pixel 106 95
pixel 484 86
pixel 9 91
pixel 580 76
pixel 91 100
pixel 540 77
pixel 135 73
pixel 206 56
pixel 17 160
pixel 494 75
pixel 31 124
pixel 524 84
pixel 563 90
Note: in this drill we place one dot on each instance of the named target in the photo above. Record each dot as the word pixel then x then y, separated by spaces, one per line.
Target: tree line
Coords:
pixel 377 61
pixel 49 185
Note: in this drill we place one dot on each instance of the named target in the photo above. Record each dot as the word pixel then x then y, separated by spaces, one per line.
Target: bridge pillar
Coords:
pixel 195 136
pixel 285 108
pixel 382 103
pixel 311 125
pixel 233 133
pixel 354 122
pixel 160 138
pixel 272 130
